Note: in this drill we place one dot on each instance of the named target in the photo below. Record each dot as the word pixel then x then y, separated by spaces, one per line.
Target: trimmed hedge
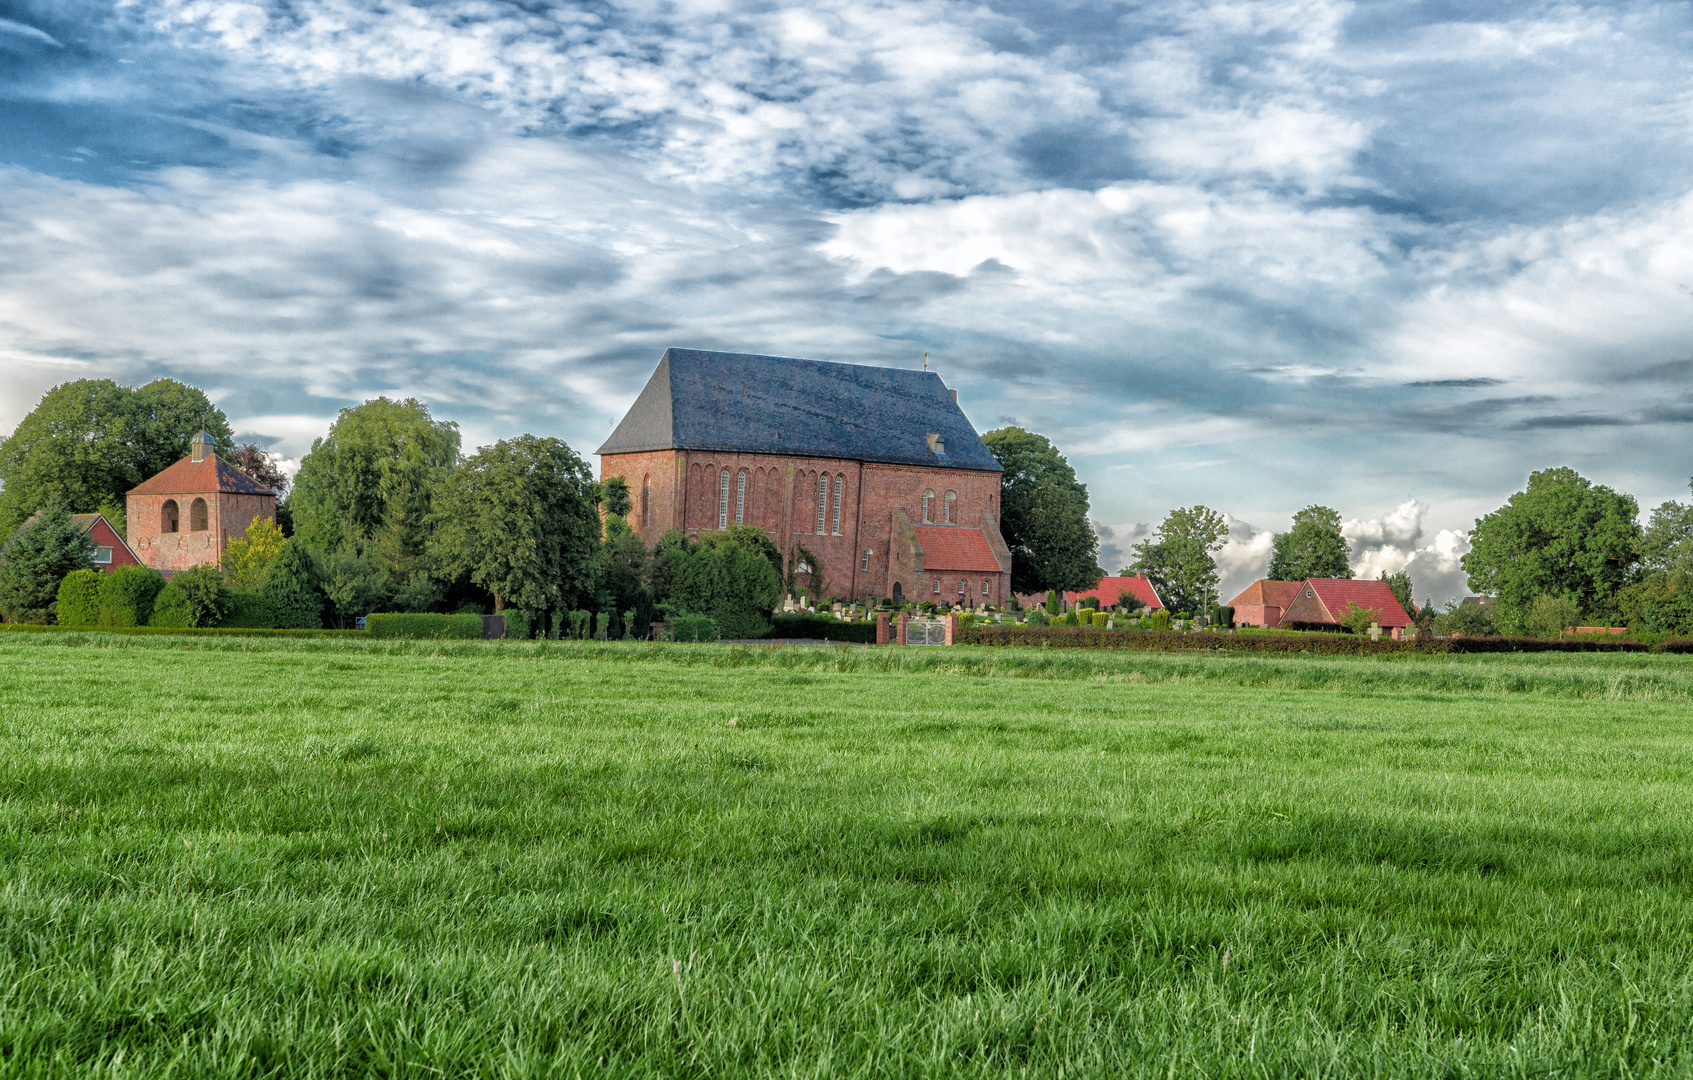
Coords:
pixel 250 611
pixel 693 628
pixel 79 598
pixel 458 627
pixel 795 625
pixel 194 631
pixel 127 594
pixel 1318 643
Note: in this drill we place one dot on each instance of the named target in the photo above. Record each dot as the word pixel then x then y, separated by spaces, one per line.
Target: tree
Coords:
pixel 260 465
pixel 36 559
pixel 1312 548
pixel 1181 560
pixel 370 484
pixel 194 597
pixel 1357 619
pixel 1662 600
pixel 1400 584
pixel 1565 537
pixel 291 589
pixel 89 441
pixel 351 583
pixel 247 560
pixel 519 516
pixel 1043 515
pixel 728 576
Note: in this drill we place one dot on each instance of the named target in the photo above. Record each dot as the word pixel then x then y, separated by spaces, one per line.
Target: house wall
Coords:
pixel 1267 615
pixel 103 535
pixel 227 517
pixel 1307 608
pixel 782 499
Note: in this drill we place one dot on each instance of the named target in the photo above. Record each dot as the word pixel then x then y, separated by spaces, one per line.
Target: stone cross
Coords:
pixel 1375 631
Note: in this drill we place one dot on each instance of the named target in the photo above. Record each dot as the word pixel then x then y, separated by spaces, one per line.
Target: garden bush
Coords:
pixel 421 625
pixel 693 628
pixel 249 611
pixel 79 599
pixel 292 590
pixel 520 624
pixel 194 597
pixel 127 595
pixel 579 621
pixel 795 625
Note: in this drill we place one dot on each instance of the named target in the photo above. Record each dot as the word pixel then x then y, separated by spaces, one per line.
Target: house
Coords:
pixel 1109 587
pixel 188 514
pixel 110 550
pixel 1322 602
pixel 1263 602
pixel 875 471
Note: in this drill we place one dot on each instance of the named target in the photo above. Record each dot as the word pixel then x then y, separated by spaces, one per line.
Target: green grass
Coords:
pixel 253 857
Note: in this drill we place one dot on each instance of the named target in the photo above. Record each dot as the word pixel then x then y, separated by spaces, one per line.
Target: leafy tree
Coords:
pixel 1357 619
pixel 247 559
pixel 622 564
pixel 36 559
pixel 291 589
pixel 1043 515
pixel 614 498
pixel 1662 600
pixel 79 599
pixel 1470 620
pixel 127 595
pixel 351 583
pixel 193 597
pixel 1312 548
pixel 88 442
pixel 519 516
pixel 1550 616
pixel 1181 560
pixel 1400 584
pixel 260 465
pixel 728 576
pixel 370 484
pixel 1564 536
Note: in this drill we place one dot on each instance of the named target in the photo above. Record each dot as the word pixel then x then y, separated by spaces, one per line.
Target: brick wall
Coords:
pixel 227 517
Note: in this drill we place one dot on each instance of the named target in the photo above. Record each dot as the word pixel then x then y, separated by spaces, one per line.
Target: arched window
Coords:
pixel 197 515
pixel 937 586
pixel 822 501
pixel 984 588
pixel 167 517
pixel 723 500
pixel 951 497
pixel 899 593
pixel 840 482
pixel 741 497
pixel 962 588
pixel 866 564
pixel 928 497
pixel 646 502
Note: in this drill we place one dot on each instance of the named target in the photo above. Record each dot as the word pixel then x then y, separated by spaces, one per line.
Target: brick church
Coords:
pixel 188 514
pixel 875 470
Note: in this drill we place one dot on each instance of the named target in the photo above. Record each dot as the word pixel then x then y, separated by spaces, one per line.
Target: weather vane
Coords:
pixel 925 361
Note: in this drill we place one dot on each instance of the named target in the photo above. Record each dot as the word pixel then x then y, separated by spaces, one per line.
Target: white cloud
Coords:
pixel 1396 542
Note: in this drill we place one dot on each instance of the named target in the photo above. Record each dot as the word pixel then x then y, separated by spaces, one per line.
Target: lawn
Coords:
pixel 330 858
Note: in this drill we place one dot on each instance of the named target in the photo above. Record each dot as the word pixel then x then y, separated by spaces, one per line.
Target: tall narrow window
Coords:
pixel 167 516
pixel 647 503
pixel 723 500
pixel 822 501
pixel 840 482
pixel 741 497
pixel 984 589
pixel 951 497
pixel 866 565
pixel 961 588
pixel 937 586
pixel 197 516
pixel 928 497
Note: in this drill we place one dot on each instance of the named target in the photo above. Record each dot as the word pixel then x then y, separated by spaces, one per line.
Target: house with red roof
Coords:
pixel 1263 602
pixel 188 514
pixel 960 563
pixel 110 550
pixel 1109 588
pixel 1322 602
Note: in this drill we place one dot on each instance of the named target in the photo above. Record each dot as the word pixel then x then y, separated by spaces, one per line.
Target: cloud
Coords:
pixel 7 26
pixel 1244 559
pixel 1396 542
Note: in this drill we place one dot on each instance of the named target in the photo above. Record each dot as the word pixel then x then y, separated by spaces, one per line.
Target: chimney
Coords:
pixel 202 446
pixel 954 394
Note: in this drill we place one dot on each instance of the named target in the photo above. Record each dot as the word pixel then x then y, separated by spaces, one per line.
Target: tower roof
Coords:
pixel 750 404
pixel 190 477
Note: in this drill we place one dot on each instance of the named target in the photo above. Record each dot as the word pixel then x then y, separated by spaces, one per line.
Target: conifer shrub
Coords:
pixel 423 625
pixel 291 590
pixel 79 598
pixel 35 561
pixel 127 595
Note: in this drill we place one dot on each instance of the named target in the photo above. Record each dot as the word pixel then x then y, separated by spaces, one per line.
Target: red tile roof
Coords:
pixel 1268 593
pixel 1337 593
pixel 190 477
pixel 1108 588
pixel 953 548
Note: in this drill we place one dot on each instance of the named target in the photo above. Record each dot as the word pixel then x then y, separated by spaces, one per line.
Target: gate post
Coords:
pixel 881 628
pixel 903 619
pixel 951 624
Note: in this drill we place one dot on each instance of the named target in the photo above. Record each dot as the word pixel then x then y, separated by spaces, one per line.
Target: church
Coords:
pixel 875 471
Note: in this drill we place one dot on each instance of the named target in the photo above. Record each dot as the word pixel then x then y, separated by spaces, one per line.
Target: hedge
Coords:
pixel 795 625
pixel 200 631
pixel 1318 643
pixel 424 626
pixel 79 598
pixel 250 611
pixel 693 628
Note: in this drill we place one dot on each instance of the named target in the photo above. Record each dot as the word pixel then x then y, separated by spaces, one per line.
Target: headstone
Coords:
pixel 1375 631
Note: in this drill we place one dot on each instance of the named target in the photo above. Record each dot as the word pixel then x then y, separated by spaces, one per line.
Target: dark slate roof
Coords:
pixel 742 403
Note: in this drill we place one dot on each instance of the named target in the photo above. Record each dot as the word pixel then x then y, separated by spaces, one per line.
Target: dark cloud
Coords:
pixel 1460 384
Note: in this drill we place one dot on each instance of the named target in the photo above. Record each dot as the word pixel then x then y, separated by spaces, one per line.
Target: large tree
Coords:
pixel 89 441
pixel 1313 548
pixel 1043 515
pixel 369 485
pixel 732 576
pixel 520 518
pixel 1180 560
pixel 36 559
pixel 1662 600
pixel 1563 537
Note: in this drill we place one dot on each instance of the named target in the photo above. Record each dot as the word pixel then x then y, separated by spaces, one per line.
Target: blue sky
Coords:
pixel 1389 257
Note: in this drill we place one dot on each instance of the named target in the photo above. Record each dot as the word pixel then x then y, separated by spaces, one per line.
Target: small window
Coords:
pixel 723 500
pixel 167 517
pixel 962 588
pixel 866 564
pixel 102 556
pixel 197 515
pixel 741 498
pixel 937 586
pixel 928 497
pixel 984 588
pixel 822 502
pixel 840 482
pixel 951 497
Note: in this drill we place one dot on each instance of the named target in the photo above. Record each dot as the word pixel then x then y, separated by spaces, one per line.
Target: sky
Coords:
pixel 1386 257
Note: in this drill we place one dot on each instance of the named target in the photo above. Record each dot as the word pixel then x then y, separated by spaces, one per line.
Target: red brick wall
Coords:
pixel 103 535
pixel 781 498
pixel 227 517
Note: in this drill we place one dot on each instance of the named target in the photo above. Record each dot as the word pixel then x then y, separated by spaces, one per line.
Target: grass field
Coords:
pixel 281 858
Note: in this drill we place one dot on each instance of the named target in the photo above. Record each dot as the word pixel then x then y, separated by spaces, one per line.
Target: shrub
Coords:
pixel 194 597
pixel 250 611
pixel 1090 602
pixel 291 590
pixel 249 556
pixel 579 622
pixel 693 628
pixel 423 625
pixel 1313 643
pixel 1038 617
pixel 815 626
pixel 629 618
pixel 79 598
pixel 520 623
pixel 127 595
pixel 1159 620
pixel 1550 616
pixel 1099 619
